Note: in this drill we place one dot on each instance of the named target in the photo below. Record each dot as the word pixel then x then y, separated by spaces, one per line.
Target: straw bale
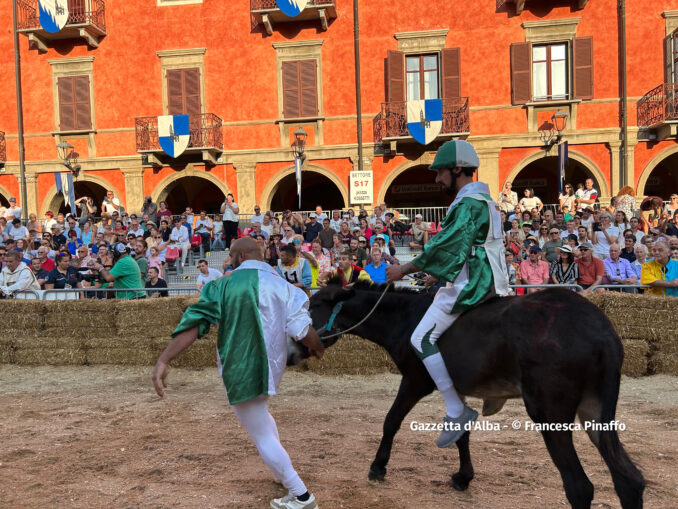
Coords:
pixel 122 356
pixel 19 322
pixel 130 342
pixel 155 316
pixel 55 357
pixel 635 357
pixel 352 355
pixel 664 357
pixel 651 334
pixel 81 332
pixel 6 354
pixel 57 342
pixel 81 319
pixel 201 354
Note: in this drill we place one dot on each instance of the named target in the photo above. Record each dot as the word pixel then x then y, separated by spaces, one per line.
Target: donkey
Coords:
pixel 554 348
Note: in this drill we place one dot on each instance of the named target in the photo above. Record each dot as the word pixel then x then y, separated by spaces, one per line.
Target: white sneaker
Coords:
pixel 290 501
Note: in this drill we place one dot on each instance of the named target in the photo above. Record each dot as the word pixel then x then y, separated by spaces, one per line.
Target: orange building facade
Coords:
pixel 248 76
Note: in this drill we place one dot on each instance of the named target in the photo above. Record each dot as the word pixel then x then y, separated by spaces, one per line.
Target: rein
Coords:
pixel 337 308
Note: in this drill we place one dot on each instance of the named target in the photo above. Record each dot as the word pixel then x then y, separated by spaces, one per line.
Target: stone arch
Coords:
pixel 650 167
pixel 400 169
pixel 52 199
pixel 6 195
pixel 272 185
pixel 161 190
pixel 577 156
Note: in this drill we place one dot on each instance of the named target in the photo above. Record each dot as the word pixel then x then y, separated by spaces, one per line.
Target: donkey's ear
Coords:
pixel 346 293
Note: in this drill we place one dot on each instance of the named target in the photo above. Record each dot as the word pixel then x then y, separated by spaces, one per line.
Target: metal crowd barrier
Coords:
pixel 90 293
pixel 612 286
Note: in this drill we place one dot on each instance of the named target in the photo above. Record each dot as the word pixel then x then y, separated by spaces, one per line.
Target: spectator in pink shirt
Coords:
pixel 534 270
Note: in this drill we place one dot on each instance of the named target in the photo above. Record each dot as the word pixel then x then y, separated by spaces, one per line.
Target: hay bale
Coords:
pixel 201 354
pixel 48 343
pixel 664 357
pixel 122 356
pixel 55 357
pixel 6 354
pixel 352 355
pixel 635 357
pixel 22 316
pixel 154 317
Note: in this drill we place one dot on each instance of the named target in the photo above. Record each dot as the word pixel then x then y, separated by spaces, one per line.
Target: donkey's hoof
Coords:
pixel 377 473
pixel 460 481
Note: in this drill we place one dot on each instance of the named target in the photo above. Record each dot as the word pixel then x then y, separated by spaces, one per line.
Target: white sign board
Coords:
pixel 361 185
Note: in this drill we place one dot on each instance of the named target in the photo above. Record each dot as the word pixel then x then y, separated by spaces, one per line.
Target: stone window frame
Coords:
pixel 182 59
pixel 671 21
pixel 300 50
pixel 73 66
pixel 421 43
pixel 552 31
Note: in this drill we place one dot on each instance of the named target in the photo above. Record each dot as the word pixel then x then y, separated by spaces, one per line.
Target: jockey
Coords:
pixel 255 310
pixel 468 255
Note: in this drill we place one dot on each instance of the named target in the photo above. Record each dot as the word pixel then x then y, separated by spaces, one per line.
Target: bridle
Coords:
pixel 334 332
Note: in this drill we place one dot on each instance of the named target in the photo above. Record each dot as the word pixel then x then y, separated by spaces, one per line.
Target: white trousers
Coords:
pixel 260 425
pixel 185 248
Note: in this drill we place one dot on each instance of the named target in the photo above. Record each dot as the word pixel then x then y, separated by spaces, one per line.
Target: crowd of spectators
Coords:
pixel 577 242
pixel 625 244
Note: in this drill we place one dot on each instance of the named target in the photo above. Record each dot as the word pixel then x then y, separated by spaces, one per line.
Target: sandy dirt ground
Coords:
pixel 99 437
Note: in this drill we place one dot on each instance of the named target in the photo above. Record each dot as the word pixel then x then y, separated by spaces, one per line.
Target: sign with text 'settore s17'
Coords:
pixel 361 186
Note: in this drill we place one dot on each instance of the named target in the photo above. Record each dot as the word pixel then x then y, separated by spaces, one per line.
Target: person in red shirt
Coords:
pixel 591 270
pixel 534 270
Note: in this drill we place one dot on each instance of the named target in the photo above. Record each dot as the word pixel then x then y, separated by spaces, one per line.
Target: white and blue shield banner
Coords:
pixel 292 8
pixel 425 119
pixel 64 186
pixel 53 14
pixel 173 134
pixel 297 173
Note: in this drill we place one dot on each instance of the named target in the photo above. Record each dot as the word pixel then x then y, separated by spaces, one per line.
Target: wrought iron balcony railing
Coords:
pixel 391 122
pixel 86 19
pixel 3 148
pixel 205 132
pixel 658 106
pixel 268 14
pixel 520 4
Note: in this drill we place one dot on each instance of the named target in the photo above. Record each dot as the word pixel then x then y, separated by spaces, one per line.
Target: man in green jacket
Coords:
pixel 468 255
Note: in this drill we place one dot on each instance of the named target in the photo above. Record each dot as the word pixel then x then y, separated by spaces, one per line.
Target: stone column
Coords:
pixel 615 166
pixel 630 178
pixel 134 189
pixel 32 207
pixel 489 168
pixel 245 172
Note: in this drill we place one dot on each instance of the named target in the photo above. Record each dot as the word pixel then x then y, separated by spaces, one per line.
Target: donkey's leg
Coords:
pixel 462 478
pixel 409 394
pixel 628 481
pixel 547 405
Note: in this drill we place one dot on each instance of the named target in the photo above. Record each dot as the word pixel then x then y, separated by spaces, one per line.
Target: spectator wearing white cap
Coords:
pixel 420 233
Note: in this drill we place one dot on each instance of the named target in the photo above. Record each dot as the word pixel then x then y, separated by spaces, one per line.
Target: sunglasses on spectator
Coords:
pixel 554 233
pixel 583 249
pixel 544 229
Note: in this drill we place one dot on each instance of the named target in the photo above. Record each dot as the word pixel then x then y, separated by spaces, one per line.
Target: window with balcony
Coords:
pixel 183 92
pixel 418 76
pixel 555 71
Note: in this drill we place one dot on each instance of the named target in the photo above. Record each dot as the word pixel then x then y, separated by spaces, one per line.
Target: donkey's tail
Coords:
pixel 601 407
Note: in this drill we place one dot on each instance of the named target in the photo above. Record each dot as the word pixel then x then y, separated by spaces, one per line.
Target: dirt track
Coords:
pixel 100 437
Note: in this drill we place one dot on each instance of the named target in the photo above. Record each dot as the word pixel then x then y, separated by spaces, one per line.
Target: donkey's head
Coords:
pixel 325 308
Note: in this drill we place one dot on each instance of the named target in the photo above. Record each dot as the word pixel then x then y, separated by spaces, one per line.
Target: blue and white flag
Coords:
pixel 425 119
pixel 173 134
pixel 562 165
pixel 292 8
pixel 64 185
pixel 53 14
pixel 297 173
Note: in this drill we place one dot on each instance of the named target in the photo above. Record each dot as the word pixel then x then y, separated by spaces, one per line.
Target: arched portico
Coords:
pixel 274 186
pixel 53 200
